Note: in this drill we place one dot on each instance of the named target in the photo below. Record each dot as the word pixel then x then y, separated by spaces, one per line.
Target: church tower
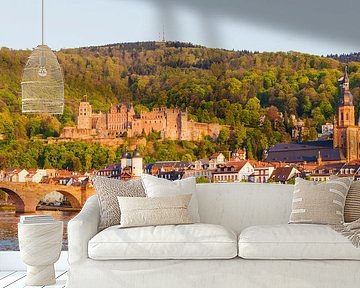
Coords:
pixel 346 134
pixel 346 112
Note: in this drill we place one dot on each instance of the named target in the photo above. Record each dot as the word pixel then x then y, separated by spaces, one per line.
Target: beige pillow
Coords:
pixel 319 202
pixel 107 190
pixel 352 203
pixel 138 211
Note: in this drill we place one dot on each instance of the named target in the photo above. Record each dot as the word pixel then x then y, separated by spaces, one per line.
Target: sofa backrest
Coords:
pixel 239 205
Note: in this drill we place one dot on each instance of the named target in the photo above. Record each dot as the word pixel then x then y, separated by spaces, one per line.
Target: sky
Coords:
pixel 311 26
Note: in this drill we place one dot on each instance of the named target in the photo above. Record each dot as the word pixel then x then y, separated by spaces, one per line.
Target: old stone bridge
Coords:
pixel 27 195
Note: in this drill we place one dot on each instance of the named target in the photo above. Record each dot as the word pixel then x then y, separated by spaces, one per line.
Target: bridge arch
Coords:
pixel 19 202
pixel 75 203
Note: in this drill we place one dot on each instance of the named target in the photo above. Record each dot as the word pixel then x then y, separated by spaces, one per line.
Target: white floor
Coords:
pixel 13 270
pixel 16 279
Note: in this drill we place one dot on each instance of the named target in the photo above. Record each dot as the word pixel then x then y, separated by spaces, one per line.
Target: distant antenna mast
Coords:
pixel 163 39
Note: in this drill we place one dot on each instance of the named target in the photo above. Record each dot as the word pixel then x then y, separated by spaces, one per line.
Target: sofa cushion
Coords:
pixel 159 187
pixel 352 204
pixel 319 202
pixel 295 241
pixel 145 211
pixel 107 190
pixel 192 241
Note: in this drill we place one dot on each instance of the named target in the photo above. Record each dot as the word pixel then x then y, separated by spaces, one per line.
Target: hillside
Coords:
pixel 229 87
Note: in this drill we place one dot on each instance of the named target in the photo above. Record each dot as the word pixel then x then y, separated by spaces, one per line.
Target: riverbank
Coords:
pixel 7 208
pixel 57 208
pixel 9 227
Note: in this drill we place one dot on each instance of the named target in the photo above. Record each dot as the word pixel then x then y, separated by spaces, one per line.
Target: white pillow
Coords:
pixel 159 187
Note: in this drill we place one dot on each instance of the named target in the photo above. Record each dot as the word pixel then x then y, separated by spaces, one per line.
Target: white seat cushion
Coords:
pixel 295 241
pixel 192 241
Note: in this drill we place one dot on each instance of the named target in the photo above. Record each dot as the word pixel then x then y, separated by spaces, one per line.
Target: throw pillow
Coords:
pixel 159 187
pixel 352 203
pixel 319 202
pixel 139 211
pixel 107 190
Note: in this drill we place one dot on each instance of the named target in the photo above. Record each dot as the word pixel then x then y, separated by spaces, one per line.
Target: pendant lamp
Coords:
pixel 42 82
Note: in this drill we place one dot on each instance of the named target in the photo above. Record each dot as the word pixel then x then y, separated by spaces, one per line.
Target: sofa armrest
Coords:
pixel 81 229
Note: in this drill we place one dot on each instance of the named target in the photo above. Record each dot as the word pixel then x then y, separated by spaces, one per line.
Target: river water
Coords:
pixel 9 231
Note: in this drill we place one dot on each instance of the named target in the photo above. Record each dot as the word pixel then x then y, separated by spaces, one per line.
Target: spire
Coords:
pixel 346 76
pixel 346 98
pixel 319 158
pixel 136 153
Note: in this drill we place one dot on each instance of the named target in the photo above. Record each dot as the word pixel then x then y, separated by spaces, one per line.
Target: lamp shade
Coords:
pixel 42 83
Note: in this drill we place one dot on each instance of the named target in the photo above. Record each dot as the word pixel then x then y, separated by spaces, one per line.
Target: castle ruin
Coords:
pixel 121 120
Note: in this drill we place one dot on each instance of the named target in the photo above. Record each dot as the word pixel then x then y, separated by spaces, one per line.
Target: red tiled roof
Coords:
pixel 282 173
pixel 215 155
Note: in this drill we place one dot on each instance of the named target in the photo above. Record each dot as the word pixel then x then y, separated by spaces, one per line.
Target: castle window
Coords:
pixel 342 116
pixel 347 116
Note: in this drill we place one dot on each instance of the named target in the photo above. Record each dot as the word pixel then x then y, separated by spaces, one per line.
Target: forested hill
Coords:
pixel 229 87
pixel 345 58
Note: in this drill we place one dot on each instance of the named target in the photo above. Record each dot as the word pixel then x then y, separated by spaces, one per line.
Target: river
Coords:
pixel 9 231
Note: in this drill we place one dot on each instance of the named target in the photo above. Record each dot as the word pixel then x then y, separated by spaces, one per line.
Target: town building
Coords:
pixel 284 174
pixel 110 171
pixel 168 166
pixel 216 159
pixel 121 120
pixel 206 173
pixel 327 129
pixel 171 175
pixel 262 172
pixel 11 175
pixel 324 172
pixel 202 164
pixel 233 171
pixel 238 154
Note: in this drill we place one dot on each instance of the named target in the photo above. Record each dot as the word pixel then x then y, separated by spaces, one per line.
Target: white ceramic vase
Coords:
pixel 40 247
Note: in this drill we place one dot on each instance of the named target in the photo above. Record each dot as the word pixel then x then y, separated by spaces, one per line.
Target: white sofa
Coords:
pixel 277 254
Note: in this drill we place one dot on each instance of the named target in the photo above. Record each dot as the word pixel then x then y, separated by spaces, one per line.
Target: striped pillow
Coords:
pixel 352 204
pixel 319 202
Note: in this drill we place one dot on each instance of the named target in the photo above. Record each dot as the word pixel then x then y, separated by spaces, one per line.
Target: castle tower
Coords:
pixel 346 134
pixel 137 163
pixel 84 119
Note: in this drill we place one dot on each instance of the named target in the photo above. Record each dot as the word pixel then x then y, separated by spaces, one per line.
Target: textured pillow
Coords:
pixel 139 211
pixel 319 202
pixel 107 190
pixel 352 203
pixel 159 187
